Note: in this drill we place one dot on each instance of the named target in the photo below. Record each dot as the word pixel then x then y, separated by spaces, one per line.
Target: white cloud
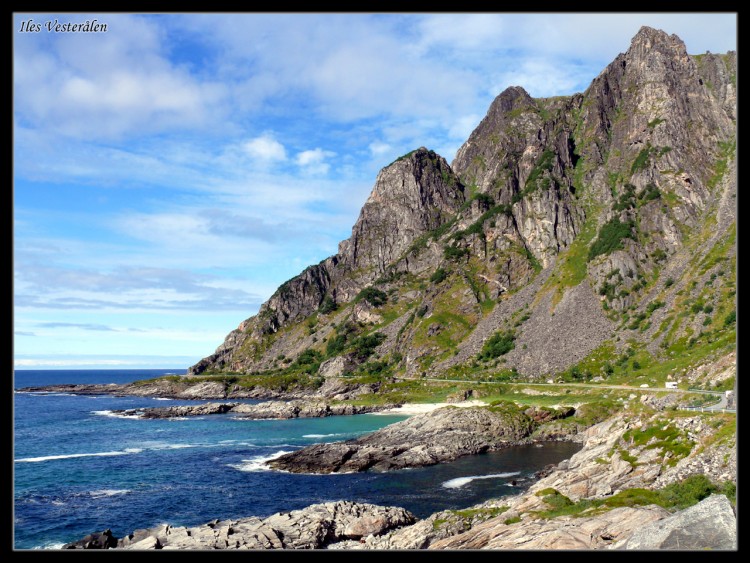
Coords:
pixel 461 32
pixel 378 148
pixel 314 156
pixel 34 362
pixel 111 85
pixel 542 78
pixel 265 148
pixel 313 161
pixel 88 361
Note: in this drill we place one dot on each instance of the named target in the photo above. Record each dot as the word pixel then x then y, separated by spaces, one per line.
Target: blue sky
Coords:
pixel 170 173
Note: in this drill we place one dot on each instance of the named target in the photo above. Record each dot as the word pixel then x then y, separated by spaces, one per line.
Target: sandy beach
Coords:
pixel 419 408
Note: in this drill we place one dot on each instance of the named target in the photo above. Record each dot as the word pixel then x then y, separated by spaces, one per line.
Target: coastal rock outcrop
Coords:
pixel 264 410
pixel 442 435
pixel 314 527
pixel 710 524
pixel 593 532
pixel 191 388
pixel 97 540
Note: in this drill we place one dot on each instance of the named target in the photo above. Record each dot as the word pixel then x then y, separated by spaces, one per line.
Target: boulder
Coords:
pixel 710 524
pixel 97 540
pixel 336 367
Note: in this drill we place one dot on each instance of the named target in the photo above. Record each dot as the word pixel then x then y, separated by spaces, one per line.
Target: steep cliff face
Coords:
pixel 564 226
pixel 416 194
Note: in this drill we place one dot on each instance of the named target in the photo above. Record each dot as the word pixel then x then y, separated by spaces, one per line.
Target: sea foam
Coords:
pixel 108 493
pixel 459 482
pixel 257 463
pixel 115 415
pixel 126 451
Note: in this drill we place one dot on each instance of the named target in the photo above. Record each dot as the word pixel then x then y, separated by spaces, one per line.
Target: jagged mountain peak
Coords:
pixel 414 194
pixel 650 38
pixel 513 97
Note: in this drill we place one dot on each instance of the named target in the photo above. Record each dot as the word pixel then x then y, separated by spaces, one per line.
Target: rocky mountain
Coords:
pixel 573 237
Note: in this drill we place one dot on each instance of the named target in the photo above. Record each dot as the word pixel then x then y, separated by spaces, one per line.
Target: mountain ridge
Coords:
pixel 564 225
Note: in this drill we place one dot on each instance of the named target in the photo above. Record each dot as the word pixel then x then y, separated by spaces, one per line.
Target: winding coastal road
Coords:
pixel 720 406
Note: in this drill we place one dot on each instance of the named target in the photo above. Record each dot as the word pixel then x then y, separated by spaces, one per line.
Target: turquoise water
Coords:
pixel 79 469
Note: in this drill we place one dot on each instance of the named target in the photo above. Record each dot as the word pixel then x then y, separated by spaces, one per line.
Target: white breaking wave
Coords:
pixel 157 446
pixel 178 446
pixel 163 399
pixel 50 546
pixel 459 482
pixel 108 493
pixel 126 451
pixel 46 393
pixel 257 463
pixel 224 443
pixel 115 415
pixel 321 435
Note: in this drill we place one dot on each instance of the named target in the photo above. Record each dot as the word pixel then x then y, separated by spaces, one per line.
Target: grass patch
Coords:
pixel 512 520
pixel 477 227
pixel 654 122
pixel 542 165
pixel 726 153
pixel 641 161
pixel 673 443
pixel 483 513
pixel 439 276
pixel 498 345
pixel 610 238
pixel 328 305
pixel 571 269
pixel 373 296
pixel 719 251
pixel 676 496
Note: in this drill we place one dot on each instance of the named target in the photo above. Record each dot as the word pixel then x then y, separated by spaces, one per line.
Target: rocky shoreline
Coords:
pixel 611 462
pixel 439 436
pixel 314 527
pixel 265 410
pixel 643 447
pixel 190 388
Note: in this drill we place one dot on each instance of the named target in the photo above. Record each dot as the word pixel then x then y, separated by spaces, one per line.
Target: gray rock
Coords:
pixel 710 524
pixel 150 542
pixel 313 527
pixel 304 409
pixel 441 435
pixel 180 411
pixel 103 540
pixel 337 366
pixel 267 409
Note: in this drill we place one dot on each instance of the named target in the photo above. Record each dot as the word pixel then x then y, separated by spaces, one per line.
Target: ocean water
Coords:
pixel 79 469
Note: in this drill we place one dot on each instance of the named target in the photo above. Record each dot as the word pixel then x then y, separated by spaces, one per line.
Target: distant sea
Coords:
pixel 79 469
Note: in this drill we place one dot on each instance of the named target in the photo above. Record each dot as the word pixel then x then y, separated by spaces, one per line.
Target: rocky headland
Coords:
pixel 264 410
pixel 441 435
